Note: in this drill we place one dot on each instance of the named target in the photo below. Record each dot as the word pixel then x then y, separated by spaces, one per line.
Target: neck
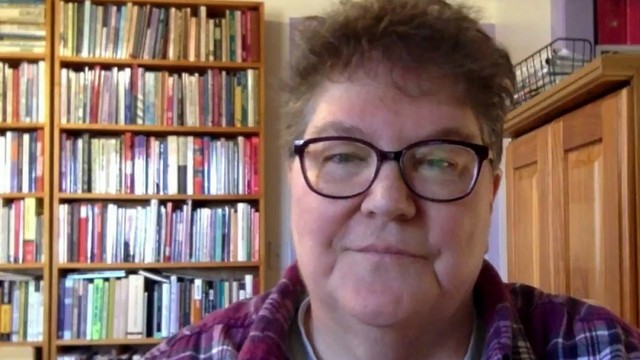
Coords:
pixel 423 337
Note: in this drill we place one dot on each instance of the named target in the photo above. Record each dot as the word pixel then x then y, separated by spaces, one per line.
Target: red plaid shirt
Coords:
pixel 521 322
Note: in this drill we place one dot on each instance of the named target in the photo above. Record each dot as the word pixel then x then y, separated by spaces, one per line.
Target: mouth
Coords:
pixel 386 250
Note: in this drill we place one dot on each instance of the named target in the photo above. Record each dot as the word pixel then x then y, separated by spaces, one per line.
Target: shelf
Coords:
pixel 21 343
pixel 179 197
pixel 109 128
pixel 19 195
pixel 157 63
pixel 31 269
pixel 179 3
pixel 160 266
pixel 25 266
pixel 55 201
pixel 108 342
pixel 28 56
pixel 21 126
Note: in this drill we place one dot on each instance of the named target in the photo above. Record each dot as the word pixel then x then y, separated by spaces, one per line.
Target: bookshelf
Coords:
pixel 158 161
pixel 25 133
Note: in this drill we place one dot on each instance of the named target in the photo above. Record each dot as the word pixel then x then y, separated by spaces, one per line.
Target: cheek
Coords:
pixel 314 219
pixel 462 227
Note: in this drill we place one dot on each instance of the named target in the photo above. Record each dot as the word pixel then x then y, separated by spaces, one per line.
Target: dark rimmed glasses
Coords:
pixel 341 167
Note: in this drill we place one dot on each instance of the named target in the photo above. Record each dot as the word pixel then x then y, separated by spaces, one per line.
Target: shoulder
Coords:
pixel 221 332
pixel 245 329
pixel 569 328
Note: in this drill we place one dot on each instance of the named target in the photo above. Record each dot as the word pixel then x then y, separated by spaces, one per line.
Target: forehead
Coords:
pixel 381 113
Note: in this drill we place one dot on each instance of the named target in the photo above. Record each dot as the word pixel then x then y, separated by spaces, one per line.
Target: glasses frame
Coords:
pixel 481 152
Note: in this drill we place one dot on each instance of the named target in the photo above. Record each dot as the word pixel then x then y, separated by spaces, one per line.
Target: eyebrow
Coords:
pixel 337 128
pixel 341 128
pixel 453 133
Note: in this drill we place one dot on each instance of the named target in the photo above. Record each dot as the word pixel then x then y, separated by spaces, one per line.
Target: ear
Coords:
pixel 497 179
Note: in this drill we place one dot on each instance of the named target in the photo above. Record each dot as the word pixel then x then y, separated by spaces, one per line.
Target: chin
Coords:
pixel 387 295
pixel 379 313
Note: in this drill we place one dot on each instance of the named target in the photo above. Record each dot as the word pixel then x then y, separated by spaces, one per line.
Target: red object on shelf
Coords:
pixel 618 22
pixel 633 22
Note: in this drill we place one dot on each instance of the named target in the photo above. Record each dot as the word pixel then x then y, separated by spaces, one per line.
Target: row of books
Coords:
pixel 153 32
pixel 22 27
pixel 101 354
pixel 96 232
pixel 119 305
pixel 21 315
pixel 21 231
pixel 141 164
pixel 138 96
pixel 22 161
pixel 21 90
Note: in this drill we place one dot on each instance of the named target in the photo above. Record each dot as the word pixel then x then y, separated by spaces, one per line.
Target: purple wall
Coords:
pixel 573 18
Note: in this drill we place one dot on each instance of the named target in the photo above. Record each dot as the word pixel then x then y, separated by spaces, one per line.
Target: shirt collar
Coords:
pixel 504 338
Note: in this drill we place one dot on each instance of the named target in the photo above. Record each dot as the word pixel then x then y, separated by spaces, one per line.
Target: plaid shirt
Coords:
pixel 521 323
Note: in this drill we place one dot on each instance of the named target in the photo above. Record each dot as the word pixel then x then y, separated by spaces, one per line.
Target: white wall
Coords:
pixel 514 21
pixel 523 26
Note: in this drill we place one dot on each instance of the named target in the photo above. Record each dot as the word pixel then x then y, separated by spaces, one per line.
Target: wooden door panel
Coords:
pixel 527 204
pixel 587 222
pixel 591 270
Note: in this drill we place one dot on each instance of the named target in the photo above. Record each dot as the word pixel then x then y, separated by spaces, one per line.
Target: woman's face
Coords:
pixel 387 256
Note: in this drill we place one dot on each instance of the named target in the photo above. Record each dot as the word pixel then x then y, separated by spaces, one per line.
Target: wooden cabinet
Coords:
pixel 572 186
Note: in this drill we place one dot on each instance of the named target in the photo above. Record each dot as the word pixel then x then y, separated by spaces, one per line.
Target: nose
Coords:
pixel 389 196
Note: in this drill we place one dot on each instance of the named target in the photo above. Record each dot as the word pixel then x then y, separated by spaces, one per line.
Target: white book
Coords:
pixel 135 307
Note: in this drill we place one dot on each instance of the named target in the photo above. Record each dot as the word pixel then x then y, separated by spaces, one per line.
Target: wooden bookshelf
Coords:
pixel 35 344
pixel 24 56
pixel 27 267
pixel 77 130
pixel 30 114
pixel 107 342
pixel 178 197
pixel 21 126
pixel 20 195
pixel 148 129
pixel 163 266
pixel 158 63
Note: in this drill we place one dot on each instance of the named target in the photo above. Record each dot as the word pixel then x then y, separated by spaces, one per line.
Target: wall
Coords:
pixel 523 26
pixel 513 23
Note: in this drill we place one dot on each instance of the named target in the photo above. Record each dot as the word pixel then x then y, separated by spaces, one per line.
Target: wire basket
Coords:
pixel 547 66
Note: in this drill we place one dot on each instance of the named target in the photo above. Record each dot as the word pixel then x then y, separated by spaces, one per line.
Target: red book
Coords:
pixel 633 22
pixel 198 166
pixel 40 146
pixel 611 21
pixel 82 234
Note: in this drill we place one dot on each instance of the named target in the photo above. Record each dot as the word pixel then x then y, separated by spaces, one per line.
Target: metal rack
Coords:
pixel 548 65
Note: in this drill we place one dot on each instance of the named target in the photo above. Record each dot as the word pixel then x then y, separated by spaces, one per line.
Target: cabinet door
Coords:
pixel 592 205
pixel 528 237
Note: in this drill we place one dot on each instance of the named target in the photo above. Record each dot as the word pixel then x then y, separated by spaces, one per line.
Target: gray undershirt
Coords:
pixel 300 348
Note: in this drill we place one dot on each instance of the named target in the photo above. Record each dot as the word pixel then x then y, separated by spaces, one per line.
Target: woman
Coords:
pixel 395 133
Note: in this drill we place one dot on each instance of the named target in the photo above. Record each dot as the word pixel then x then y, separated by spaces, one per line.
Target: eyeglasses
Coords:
pixel 341 167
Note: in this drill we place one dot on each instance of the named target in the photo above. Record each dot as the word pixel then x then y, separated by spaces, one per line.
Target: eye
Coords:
pixel 440 163
pixel 343 158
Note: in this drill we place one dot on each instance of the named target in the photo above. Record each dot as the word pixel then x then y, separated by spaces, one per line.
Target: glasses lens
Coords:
pixel 440 171
pixel 338 167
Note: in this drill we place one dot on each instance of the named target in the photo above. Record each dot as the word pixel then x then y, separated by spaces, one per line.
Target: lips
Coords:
pixel 387 250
